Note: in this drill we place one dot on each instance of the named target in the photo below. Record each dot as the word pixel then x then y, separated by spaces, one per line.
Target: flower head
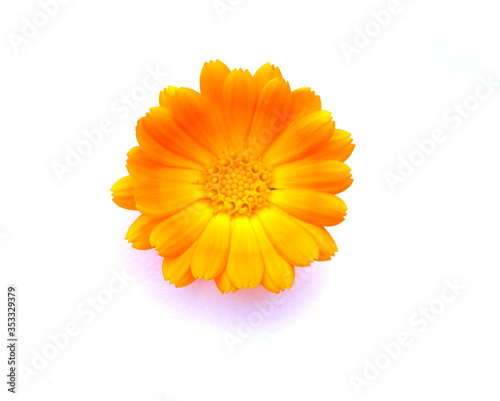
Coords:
pixel 236 183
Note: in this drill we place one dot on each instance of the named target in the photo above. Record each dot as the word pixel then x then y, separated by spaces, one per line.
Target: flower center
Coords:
pixel 237 184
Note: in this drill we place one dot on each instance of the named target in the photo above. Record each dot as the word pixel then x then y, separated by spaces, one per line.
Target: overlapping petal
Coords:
pixel 271 116
pixel 265 74
pixel 294 243
pixel 139 232
pixel 238 110
pixel 304 101
pixel 176 270
pixel 159 153
pixel 158 198
pixel 278 273
pixel 194 114
pixel 212 249
pixel 319 208
pixel 327 246
pixel 160 124
pixel 245 265
pixel 223 283
pixel 123 193
pixel 330 176
pixel 339 147
pixel 301 138
pixel 143 168
pixel 177 233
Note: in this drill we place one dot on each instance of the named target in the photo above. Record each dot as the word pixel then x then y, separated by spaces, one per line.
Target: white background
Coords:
pixel 62 240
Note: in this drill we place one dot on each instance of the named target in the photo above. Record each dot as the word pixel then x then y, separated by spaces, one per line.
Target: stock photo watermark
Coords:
pixel 31 26
pixel 86 312
pixel 222 7
pixel 419 321
pixel 264 309
pixel 454 116
pixel 121 107
pixel 363 37
pixel 11 338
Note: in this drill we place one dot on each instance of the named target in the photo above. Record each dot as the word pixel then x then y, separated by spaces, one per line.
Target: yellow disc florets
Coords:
pixel 237 184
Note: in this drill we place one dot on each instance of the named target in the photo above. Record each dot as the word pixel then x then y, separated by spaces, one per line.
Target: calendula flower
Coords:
pixel 236 183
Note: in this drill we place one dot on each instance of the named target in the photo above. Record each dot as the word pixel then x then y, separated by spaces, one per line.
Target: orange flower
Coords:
pixel 237 182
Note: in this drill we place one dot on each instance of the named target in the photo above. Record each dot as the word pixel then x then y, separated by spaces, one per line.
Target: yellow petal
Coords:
pixel 239 100
pixel 212 78
pixel 264 74
pixel 271 116
pixel 278 273
pixel 141 168
pixel 159 153
pixel 317 208
pixel 325 176
pixel 292 241
pixel 160 125
pixel 176 270
pixel 157 198
pixel 304 101
pixel 223 283
pixel 245 266
pixel 301 138
pixel 123 193
pixel 212 248
pixel 166 96
pixel 140 230
pixel 342 146
pixel 339 147
pixel 327 246
pixel 177 233
pixel 197 117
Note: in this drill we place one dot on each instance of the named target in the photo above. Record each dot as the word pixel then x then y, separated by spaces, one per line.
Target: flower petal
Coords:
pixel 245 266
pixel 292 241
pixel 166 96
pixel 223 283
pixel 141 168
pixel 197 117
pixel 177 233
pixel 157 152
pixel 123 193
pixel 239 100
pixel 339 147
pixel 212 248
pixel 157 198
pixel 301 138
pixel 304 101
pixel 160 125
pixel 212 77
pixel 264 74
pixel 278 273
pixel 327 246
pixel 317 208
pixel 140 230
pixel 325 176
pixel 176 270
pixel 271 116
